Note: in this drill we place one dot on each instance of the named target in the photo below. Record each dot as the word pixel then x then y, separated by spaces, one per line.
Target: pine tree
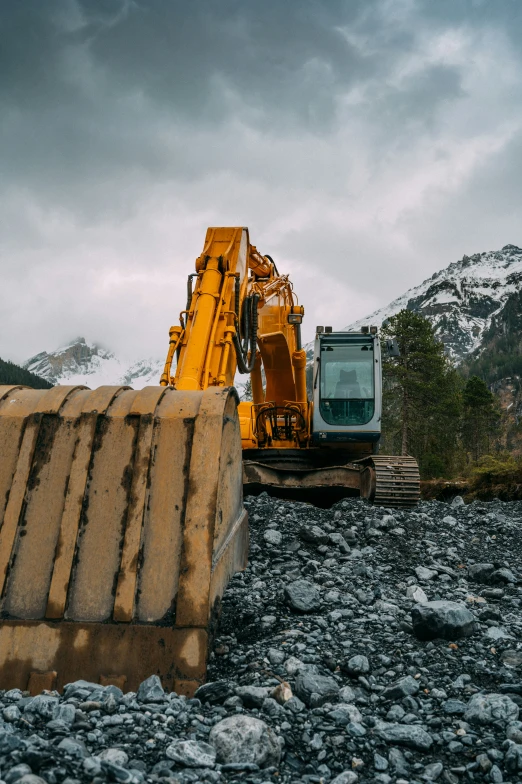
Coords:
pixel 421 396
pixel 247 390
pixel 13 374
pixel 480 418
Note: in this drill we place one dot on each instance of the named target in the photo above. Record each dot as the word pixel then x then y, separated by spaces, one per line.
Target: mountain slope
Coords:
pixel 90 365
pixel 463 300
pixel 500 354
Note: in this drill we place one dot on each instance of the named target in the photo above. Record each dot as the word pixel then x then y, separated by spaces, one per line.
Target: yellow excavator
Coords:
pixel 121 511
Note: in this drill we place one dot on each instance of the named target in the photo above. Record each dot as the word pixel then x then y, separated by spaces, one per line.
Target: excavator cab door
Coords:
pixel 347 390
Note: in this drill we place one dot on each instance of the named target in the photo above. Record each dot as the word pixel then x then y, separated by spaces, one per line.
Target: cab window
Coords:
pixel 347 383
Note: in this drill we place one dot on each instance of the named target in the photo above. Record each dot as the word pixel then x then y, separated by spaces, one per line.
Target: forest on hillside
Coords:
pixel 14 374
pixel 447 417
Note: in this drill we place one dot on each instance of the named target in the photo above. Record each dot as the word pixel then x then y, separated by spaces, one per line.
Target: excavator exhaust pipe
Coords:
pixel 121 522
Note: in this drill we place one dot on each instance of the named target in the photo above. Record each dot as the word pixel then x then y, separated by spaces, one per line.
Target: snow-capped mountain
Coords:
pixel 462 300
pixel 88 364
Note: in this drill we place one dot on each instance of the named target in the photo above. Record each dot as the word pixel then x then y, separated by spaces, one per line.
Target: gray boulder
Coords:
pixel 73 747
pixel 416 593
pixel 92 766
pixel 409 735
pixel 244 739
pixel 347 694
pixel 79 689
pixel 192 753
pixel 357 665
pixel 489 708
pixel 302 596
pixel 343 714
pixel 151 690
pixel 16 773
pixel 340 542
pixel 423 573
pixel 404 687
pixel 42 705
pixel 514 731
pixel 273 537
pixel 65 712
pixel 433 771
pixel 252 696
pixel 512 658
pixel 503 577
pixel 454 707
pixel 313 534
pixel 481 572
pixel 115 756
pixel 346 777
pixel 11 713
pixel 215 692
pixel 513 758
pixel 449 620
pixel 314 689
pixel 30 778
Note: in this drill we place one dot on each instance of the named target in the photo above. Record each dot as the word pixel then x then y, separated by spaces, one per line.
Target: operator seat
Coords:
pixel 348 385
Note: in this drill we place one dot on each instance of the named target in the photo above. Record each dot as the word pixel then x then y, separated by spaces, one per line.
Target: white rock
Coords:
pixel 416 593
pixel 245 739
pixel 449 520
pixel 271 536
pixel 293 665
pixel 457 501
pixel 488 708
pixel 117 756
pixel 423 573
pixel 346 777
pixel 192 753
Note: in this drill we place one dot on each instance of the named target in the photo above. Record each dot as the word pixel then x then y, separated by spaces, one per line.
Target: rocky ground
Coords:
pixel 360 645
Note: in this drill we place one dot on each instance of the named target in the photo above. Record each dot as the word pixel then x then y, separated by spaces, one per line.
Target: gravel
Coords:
pixel 322 669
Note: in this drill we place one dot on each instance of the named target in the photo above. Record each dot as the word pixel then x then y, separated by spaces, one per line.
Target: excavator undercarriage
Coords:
pixel 388 481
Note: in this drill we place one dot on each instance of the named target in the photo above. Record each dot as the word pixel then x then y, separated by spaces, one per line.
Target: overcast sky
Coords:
pixel 365 143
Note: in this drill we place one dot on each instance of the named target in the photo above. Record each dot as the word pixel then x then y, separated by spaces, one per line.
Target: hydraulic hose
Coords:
pixel 247 342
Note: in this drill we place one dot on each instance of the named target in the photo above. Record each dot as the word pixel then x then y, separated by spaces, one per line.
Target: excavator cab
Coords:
pixel 347 390
pixel 341 457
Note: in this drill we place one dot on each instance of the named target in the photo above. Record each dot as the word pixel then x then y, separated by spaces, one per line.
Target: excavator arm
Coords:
pixel 242 316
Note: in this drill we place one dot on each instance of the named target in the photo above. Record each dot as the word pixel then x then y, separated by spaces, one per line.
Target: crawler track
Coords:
pixel 391 480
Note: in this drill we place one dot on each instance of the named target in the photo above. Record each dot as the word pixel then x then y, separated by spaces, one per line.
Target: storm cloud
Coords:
pixel 365 143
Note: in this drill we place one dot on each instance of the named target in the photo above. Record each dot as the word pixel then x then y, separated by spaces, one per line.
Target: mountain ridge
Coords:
pixel 89 364
pixel 462 300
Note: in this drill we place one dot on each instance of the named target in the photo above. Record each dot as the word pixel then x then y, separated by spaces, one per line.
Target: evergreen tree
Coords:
pixel 421 396
pixel 247 390
pixel 480 418
pixel 13 374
